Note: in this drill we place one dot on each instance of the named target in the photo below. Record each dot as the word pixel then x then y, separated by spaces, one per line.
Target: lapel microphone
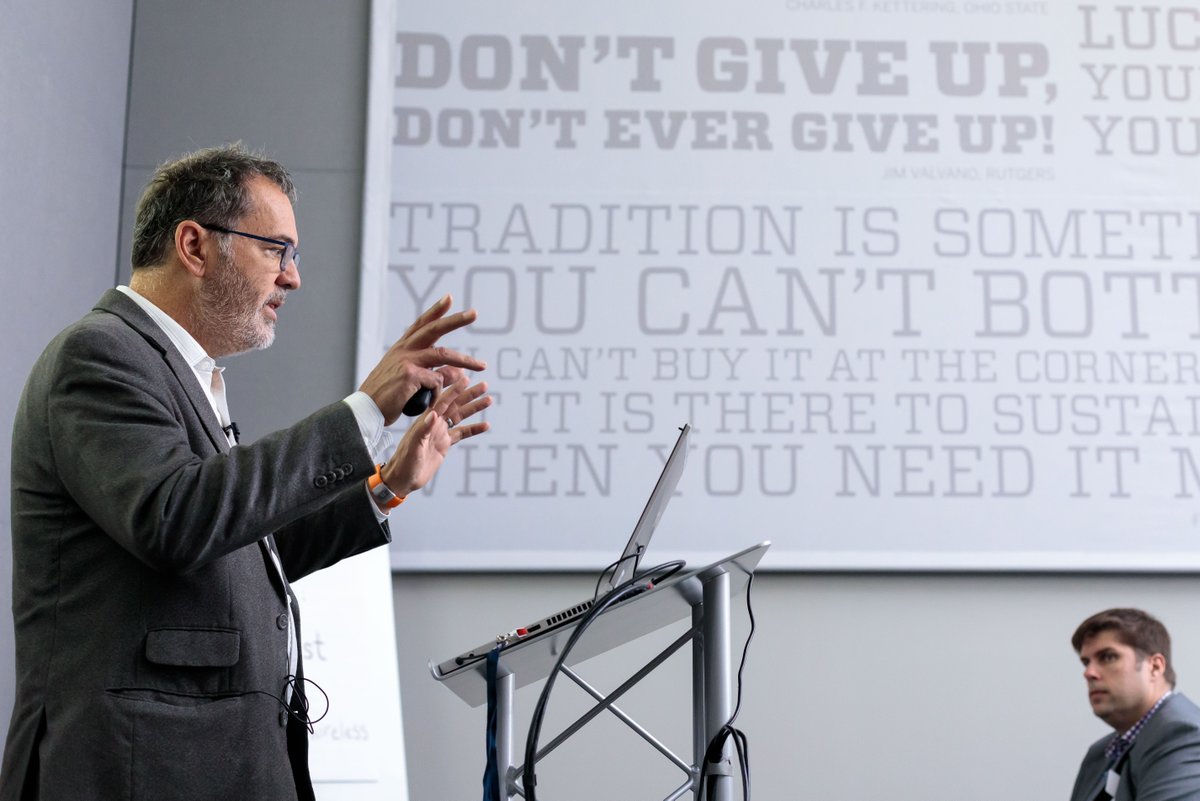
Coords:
pixel 232 428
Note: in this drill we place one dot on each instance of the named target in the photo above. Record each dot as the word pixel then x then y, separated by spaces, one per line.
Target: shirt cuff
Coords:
pixel 370 425
pixel 380 515
pixel 375 437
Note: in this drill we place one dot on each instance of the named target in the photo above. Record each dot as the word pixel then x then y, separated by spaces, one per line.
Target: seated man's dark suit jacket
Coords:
pixel 1163 764
pixel 151 623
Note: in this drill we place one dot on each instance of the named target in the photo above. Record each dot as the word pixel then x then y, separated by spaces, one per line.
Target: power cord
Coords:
pixel 612 568
pixel 716 747
pixel 626 590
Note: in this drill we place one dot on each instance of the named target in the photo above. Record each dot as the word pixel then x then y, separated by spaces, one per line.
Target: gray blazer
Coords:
pixel 1163 764
pixel 151 623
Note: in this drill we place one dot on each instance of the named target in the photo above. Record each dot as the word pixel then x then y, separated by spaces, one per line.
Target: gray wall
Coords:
pixel 287 77
pixel 913 687
pixel 64 69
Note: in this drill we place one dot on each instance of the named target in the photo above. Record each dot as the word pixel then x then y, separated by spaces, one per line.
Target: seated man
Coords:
pixel 1155 753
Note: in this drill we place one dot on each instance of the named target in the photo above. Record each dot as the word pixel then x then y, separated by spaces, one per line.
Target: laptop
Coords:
pixel 621 571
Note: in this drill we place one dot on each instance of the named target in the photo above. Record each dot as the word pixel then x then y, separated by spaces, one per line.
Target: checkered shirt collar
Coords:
pixel 1121 745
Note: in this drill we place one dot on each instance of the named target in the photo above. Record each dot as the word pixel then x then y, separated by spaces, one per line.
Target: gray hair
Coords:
pixel 208 186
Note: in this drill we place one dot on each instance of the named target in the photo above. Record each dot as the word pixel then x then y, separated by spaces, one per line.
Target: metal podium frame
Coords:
pixel 703 596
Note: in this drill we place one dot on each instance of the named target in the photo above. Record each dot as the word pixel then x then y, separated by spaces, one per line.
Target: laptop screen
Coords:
pixel 668 480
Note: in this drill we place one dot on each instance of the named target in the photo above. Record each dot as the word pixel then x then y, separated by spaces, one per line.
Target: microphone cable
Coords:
pixel 296 685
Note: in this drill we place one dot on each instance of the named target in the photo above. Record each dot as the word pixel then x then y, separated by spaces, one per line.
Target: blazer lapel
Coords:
pixel 117 303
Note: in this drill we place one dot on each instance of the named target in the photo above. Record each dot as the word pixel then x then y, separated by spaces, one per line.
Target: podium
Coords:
pixel 702 597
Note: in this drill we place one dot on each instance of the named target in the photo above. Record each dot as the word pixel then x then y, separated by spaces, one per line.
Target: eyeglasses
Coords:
pixel 287 256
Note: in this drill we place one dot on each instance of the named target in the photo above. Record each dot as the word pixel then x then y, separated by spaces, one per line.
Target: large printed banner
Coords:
pixel 923 275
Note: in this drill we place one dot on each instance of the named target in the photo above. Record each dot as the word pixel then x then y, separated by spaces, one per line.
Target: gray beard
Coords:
pixel 230 314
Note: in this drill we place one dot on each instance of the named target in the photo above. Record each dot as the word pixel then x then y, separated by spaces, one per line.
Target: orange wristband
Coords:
pixel 380 491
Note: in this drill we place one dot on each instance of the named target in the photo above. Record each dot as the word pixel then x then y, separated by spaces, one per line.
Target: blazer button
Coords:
pixel 320 481
pixel 281 621
pixel 348 469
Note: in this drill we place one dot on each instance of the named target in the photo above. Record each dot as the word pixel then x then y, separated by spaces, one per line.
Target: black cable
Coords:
pixel 300 715
pixel 626 590
pixel 612 568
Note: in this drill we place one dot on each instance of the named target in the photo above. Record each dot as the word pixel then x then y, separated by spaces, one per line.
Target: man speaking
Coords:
pixel 157 637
